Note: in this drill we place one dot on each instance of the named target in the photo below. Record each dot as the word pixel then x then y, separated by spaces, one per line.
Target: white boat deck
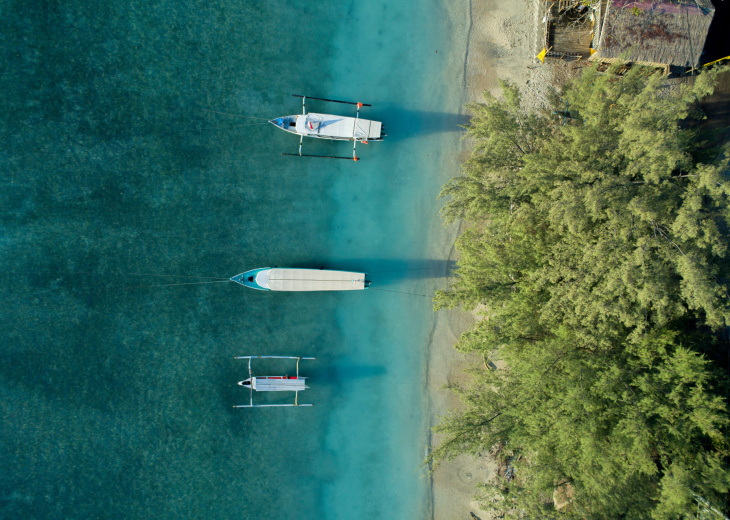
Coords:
pixel 338 127
pixel 264 384
pixel 278 279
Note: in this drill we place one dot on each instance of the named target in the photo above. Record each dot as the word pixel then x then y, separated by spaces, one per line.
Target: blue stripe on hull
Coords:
pixel 243 279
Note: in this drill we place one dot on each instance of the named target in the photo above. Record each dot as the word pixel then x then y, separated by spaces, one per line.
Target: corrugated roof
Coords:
pixel 662 31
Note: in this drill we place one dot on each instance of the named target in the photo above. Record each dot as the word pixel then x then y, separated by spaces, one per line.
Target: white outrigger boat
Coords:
pixel 294 384
pixel 292 279
pixel 327 126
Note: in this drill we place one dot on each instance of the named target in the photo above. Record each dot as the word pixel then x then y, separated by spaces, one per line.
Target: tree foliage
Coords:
pixel 597 245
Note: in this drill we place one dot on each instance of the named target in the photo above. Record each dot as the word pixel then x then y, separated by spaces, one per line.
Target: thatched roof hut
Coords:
pixel 658 33
pixel 568 29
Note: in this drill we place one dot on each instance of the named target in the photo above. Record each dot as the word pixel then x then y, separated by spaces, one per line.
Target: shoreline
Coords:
pixel 502 37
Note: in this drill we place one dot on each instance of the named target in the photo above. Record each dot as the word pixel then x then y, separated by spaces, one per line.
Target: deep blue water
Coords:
pixel 117 397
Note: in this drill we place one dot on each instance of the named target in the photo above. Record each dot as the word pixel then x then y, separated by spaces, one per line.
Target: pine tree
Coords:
pixel 598 249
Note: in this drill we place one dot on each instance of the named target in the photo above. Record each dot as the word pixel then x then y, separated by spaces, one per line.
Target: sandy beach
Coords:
pixel 502 43
pixel 504 38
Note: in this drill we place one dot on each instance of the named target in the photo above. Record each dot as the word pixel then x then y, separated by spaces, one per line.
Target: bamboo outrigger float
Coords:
pixel 291 279
pixel 327 126
pixel 294 384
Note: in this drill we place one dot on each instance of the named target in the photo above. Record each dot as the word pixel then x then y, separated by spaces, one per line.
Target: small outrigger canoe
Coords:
pixel 294 383
pixel 292 279
pixel 328 126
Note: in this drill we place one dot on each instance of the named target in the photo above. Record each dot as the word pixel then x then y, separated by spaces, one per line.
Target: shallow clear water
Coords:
pixel 116 397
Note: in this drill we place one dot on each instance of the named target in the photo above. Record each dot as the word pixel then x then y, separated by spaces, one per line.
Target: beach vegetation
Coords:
pixel 595 247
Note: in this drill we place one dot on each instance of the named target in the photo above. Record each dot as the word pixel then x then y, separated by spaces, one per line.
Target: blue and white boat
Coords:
pixel 293 279
pixel 328 126
pixel 294 384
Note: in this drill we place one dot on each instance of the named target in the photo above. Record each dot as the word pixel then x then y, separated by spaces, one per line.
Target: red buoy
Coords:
pixel 355 158
pixel 359 106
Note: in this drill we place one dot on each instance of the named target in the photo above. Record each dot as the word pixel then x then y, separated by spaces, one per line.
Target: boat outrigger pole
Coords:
pixel 304 113
pixel 354 141
pixel 331 100
pixel 273 383
pixel 320 156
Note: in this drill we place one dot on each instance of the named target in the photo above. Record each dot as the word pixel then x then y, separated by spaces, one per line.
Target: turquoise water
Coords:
pixel 116 397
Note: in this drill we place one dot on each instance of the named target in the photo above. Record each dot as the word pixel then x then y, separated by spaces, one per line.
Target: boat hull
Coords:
pixel 327 126
pixel 298 280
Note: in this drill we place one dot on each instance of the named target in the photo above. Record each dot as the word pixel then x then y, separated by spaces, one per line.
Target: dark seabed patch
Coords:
pixel 116 396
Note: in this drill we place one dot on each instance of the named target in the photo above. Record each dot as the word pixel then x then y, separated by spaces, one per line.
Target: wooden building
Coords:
pixel 568 29
pixel 659 33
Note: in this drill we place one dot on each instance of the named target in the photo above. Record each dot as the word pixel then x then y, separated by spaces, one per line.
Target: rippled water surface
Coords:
pixel 121 174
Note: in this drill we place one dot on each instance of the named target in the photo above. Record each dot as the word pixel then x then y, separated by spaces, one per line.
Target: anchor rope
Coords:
pixel 116 288
pixel 179 276
pixel 235 115
pixel 399 292
pixel 400 270
pixel 174 284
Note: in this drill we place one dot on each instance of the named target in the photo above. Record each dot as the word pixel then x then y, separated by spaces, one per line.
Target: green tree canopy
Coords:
pixel 597 244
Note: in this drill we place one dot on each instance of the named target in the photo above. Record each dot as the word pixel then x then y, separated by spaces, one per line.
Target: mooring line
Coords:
pixel 252 124
pixel 400 270
pixel 229 127
pixel 399 292
pixel 232 114
pixel 178 276
pixel 124 288
pixel 174 284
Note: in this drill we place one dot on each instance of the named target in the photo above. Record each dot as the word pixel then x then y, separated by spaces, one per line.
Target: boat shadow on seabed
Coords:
pixel 388 272
pixel 404 124
pixel 338 375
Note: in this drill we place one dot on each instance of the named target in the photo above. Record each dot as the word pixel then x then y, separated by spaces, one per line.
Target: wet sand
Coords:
pixel 503 43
